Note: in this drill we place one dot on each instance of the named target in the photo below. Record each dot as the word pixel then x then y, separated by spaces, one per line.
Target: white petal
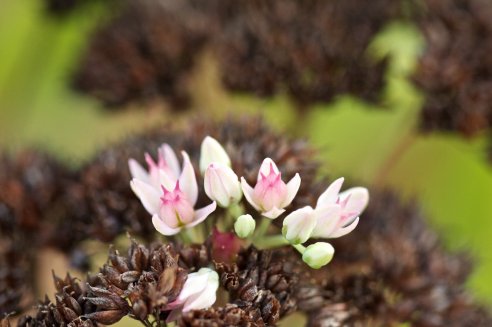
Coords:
pixel 273 213
pixel 298 225
pixel 327 219
pixel 195 283
pixel 212 151
pixel 330 196
pixel 187 180
pixel 215 187
pixel 162 228
pixel 345 230
pixel 292 188
pixel 205 298
pixel 265 167
pixel 147 194
pixel 359 198
pixel 137 171
pixel 231 183
pixel 202 214
pixel 165 180
pixel 248 193
pixel 171 159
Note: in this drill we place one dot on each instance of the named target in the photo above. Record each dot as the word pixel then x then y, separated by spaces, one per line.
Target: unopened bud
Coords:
pixel 318 254
pixel 222 185
pixel 212 151
pixel 244 226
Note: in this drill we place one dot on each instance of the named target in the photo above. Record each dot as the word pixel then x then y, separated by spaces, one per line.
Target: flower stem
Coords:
pixel 300 248
pixel 268 242
pixel 185 236
pixel 236 210
pixel 262 229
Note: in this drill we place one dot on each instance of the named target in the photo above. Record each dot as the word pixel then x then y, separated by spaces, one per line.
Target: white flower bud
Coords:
pixel 212 151
pixel 222 185
pixel 298 226
pixel 244 226
pixel 318 254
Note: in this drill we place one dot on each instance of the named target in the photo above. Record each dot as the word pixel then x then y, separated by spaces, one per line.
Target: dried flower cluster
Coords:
pixel 392 270
pixel 305 48
pixel 61 6
pixel 146 52
pixel 456 66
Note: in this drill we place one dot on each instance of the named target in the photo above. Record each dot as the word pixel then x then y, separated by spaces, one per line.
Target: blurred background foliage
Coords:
pixel 447 174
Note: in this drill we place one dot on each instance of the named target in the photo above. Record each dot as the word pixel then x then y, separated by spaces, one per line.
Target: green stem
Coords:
pixel 268 242
pixel 262 229
pixel 299 247
pixel 185 236
pixel 236 210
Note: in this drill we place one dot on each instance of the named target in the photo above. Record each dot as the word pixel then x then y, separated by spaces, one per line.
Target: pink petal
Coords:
pixel 345 230
pixel 202 214
pixel 137 171
pixel 359 198
pixel 162 228
pixel 147 194
pixel 273 213
pixel 187 180
pixel 292 188
pixel 248 193
pixel 330 196
pixel 265 168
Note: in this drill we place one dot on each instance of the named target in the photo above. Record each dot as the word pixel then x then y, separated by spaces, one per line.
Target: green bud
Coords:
pixel 244 226
pixel 318 254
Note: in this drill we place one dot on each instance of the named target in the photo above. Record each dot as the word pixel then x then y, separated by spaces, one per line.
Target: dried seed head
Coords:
pixel 453 71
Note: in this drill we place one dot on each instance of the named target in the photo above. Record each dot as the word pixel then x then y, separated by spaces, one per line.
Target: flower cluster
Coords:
pixel 169 193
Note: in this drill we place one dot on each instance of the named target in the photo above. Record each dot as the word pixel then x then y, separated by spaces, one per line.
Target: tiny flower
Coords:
pixel 212 151
pixel 270 195
pixel 335 215
pixel 167 168
pixel 244 226
pixel 172 208
pixel 222 185
pixel 199 292
pixel 318 254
